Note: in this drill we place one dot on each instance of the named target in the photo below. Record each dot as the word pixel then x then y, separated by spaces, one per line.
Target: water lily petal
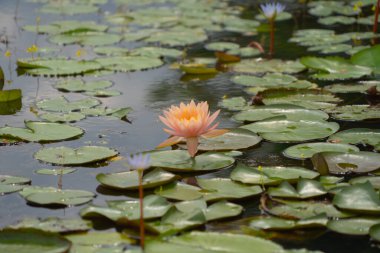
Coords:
pixel 169 142
pixel 192 145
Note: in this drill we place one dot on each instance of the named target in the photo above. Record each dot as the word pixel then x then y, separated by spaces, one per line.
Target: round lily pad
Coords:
pixel 157 52
pixel 257 66
pixel 9 184
pixel 129 180
pixel 53 196
pixel 232 140
pixel 222 209
pixel 225 188
pixel 374 180
pixel 274 223
pixel 234 103
pixel 306 188
pixel 70 156
pixel 221 46
pixel 307 150
pixel 86 38
pixel 355 112
pixel 103 93
pixel 41 132
pixel 267 175
pixel 179 191
pixel 54 224
pixel 353 226
pixel 62 117
pixel 55 172
pixel 61 104
pixel 181 161
pixel 357 136
pixel 284 130
pixel 77 85
pixel 362 87
pixel 129 63
pixel 341 163
pixel 32 241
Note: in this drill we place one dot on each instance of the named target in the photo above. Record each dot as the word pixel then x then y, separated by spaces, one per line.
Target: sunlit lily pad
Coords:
pixel 368 57
pixel 55 172
pixel 222 209
pixel 124 211
pixel 129 180
pixel 61 104
pixel 341 163
pixel 257 66
pixel 77 85
pixel 157 52
pixel 86 38
pixel 291 112
pixel 331 49
pixel 357 136
pixel 306 188
pixel 334 20
pixel 274 223
pixel 103 93
pixel 53 224
pixel 53 196
pixel 234 103
pixel 335 68
pixel 221 46
pixel 179 191
pixel 232 140
pixel 57 67
pixel 66 26
pixel 32 241
pixel 353 226
pixel 223 188
pixel 355 112
pixel 270 175
pixel 62 117
pixel 120 113
pixel 197 69
pixel 36 131
pixel 307 150
pixel 129 63
pixel 280 129
pixel 178 36
pixel 9 184
pixel 374 180
pixel 211 242
pixel 70 156
pixel 10 95
pixel 361 87
pixel 180 161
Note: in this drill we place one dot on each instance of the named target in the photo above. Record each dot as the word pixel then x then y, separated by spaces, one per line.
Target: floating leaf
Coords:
pixel 374 232
pixel 32 241
pixel 307 150
pixel 197 69
pixel 355 112
pixel 129 63
pixel 221 46
pixel 129 180
pixel 10 95
pixel 334 20
pixel 9 184
pixel 53 224
pixel 353 226
pixel 234 103
pixel 70 156
pixel 274 223
pixel 357 136
pixel 306 188
pixel 367 57
pixel 179 191
pixel 270 175
pixel 374 180
pixel 53 196
pixel 361 87
pixel 41 132
pixel 77 85
pixel 180 161
pixel 223 188
pixel 157 52
pixel 257 66
pixel 103 93
pixel 61 104
pixel 62 117
pixel 55 172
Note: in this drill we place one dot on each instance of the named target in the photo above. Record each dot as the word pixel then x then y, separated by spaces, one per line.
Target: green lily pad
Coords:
pixel 68 8
pixel 57 67
pixel 103 93
pixel 361 87
pixel 232 140
pixel 86 38
pixel 258 113
pixel 61 104
pixel 374 180
pixel 270 175
pixel 374 232
pixel 66 26
pixel 357 136
pixel 355 112
pixel 70 156
pixel 279 17
pixel 120 113
pixel 178 36
pixel 306 188
pixel 129 63
pixel 334 20
pixel 221 210
pixel 10 95
pixel 226 189
pixel 53 196
pixel 32 241
pixel 125 211
pixel 359 198
pixel 179 191
pixel 53 224
pixel 353 226
pixel 180 161
pixel 257 66
pixel 234 103
pixel 367 57
pixel 274 223
pixel 77 85
pixel 245 52
pixel 9 184
pixel 55 172
pixel 199 242
pixel 334 68
pixel 41 132
pixel 111 51
pixel 294 209
pixel 157 52
pixel 129 180
pixel 280 129
pixel 341 163
pixel 62 117
pixel 221 46
pixel 307 150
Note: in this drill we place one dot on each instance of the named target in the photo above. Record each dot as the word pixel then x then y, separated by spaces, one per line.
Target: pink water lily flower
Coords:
pixel 189 122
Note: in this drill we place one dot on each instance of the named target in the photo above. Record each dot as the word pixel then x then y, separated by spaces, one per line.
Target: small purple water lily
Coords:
pixel 270 10
pixel 139 161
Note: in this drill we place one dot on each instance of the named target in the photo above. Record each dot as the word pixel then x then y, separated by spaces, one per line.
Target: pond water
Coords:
pixel 148 93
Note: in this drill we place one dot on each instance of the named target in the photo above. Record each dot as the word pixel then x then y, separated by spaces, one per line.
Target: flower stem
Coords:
pixel 141 197
pixel 376 16
pixel 271 45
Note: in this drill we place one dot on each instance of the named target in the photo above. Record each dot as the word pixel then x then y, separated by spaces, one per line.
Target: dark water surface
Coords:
pixel 147 92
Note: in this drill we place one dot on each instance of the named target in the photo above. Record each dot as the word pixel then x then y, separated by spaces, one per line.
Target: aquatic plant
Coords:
pixel 140 162
pixel 376 16
pixel 270 11
pixel 189 122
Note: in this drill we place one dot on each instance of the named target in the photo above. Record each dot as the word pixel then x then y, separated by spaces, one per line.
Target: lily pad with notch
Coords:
pixel 179 191
pixel 353 226
pixel 306 188
pixel 9 184
pixel 357 136
pixel 77 85
pixel 61 104
pixel 307 150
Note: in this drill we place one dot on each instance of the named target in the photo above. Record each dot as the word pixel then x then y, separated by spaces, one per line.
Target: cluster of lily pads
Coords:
pixel 340 194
